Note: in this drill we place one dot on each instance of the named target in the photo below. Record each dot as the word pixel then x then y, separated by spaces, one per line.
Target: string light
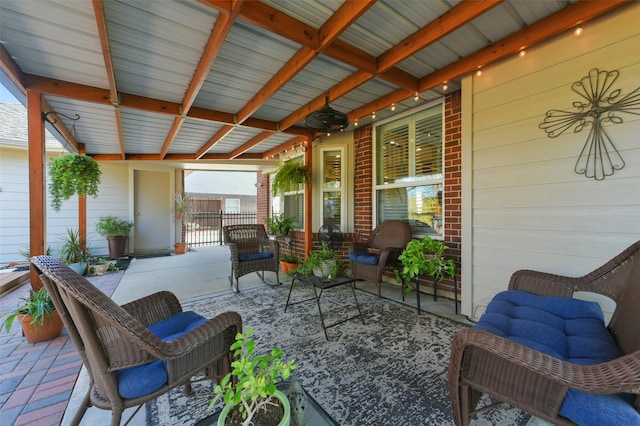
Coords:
pixel 578 31
pixel 355 123
pixel 522 52
pixel 373 115
pixel 416 97
pixel 393 107
pixel 479 72
pixel 445 86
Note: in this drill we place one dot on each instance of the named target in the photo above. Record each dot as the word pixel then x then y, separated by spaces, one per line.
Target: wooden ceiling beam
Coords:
pixel 291 143
pixel 339 22
pixel 250 144
pixel 52 118
pixel 65 89
pixel 101 24
pixel 224 131
pixel 175 128
pixel 11 68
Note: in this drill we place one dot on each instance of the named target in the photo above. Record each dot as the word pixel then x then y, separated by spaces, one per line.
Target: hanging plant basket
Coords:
pixel 72 174
pixel 291 174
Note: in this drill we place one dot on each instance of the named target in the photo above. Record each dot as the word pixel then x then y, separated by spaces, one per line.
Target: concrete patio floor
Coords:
pixel 43 383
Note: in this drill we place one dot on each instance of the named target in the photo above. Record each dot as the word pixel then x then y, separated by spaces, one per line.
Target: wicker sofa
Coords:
pixel 543 349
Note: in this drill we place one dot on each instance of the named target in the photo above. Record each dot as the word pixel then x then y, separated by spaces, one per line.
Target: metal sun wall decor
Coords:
pixel 599 157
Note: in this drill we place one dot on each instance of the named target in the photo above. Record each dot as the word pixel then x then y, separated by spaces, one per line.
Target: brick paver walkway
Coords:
pixel 36 380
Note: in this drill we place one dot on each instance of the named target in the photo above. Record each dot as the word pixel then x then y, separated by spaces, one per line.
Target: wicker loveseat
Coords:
pixel 138 351
pixel 543 347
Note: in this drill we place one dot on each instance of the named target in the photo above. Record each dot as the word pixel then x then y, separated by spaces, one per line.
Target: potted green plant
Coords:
pixel 182 208
pixel 321 263
pixel 249 390
pixel 289 262
pixel 73 251
pixel 424 257
pixel 98 265
pixel 280 224
pixel 290 175
pixel 39 318
pixel 71 174
pixel 115 230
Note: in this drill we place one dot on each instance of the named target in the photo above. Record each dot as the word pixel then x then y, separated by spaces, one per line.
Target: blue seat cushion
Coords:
pixel 569 329
pixel 143 379
pixel 364 257
pixel 244 257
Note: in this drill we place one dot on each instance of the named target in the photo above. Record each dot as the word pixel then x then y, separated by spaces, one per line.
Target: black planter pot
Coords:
pixel 116 246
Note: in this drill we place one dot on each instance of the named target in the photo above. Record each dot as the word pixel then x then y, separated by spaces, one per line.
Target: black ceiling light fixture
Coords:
pixel 326 119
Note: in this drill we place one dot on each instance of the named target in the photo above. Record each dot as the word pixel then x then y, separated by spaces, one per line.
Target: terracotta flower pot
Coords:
pixel 34 333
pixel 181 248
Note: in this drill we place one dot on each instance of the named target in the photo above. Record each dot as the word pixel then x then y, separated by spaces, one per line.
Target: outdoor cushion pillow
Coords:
pixel 243 257
pixel 569 329
pixel 364 257
pixel 144 379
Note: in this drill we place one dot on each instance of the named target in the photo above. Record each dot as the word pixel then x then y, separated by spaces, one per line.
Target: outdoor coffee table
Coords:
pixel 314 414
pixel 324 284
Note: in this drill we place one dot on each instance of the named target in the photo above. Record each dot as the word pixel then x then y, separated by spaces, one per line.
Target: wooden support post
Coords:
pixel 308 215
pixel 37 184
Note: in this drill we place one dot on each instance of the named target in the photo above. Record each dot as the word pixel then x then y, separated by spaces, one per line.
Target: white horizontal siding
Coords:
pixel 530 210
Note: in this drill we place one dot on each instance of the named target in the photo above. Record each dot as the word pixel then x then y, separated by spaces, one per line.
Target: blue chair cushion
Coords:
pixel 244 257
pixel 569 329
pixel 143 379
pixel 364 257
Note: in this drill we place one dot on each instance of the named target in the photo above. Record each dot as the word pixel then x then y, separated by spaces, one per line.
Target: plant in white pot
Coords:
pixel 181 210
pixel 249 390
pixel 115 230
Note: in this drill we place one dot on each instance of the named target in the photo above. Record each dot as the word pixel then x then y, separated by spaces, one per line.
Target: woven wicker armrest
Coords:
pixel 153 308
pixel 544 284
pixel 618 375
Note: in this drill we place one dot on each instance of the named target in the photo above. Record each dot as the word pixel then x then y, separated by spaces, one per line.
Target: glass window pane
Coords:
pixel 420 206
pixel 294 206
pixel 429 147
pixel 332 169
pixel 232 205
pixel 394 162
pixel 331 208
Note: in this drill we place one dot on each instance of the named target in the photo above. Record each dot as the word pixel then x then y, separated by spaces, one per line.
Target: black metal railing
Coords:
pixel 204 228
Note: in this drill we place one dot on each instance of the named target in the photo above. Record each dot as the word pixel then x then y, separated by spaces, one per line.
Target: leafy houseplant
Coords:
pixel 256 376
pixel 289 262
pixel 424 257
pixel 182 208
pixel 290 175
pixel 73 174
pixel 40 321
pixel 72 252
pixel 322 263
pixel 116 231
pixel 280 224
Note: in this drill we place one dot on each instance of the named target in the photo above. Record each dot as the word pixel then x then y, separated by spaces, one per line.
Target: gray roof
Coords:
pixel 14 128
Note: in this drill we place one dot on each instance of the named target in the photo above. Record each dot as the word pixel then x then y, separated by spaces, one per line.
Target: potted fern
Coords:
pixel 115 230
pixel 38 316
pixel 290 175
pixel 72 174
pixel 249 390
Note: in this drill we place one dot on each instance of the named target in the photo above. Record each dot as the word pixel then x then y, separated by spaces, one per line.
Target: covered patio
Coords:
pixel 48 384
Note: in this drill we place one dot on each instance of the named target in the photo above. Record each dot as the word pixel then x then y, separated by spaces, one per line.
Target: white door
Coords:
pixel 152 210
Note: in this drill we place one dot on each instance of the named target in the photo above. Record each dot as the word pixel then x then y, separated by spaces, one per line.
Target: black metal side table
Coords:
pixel 324 284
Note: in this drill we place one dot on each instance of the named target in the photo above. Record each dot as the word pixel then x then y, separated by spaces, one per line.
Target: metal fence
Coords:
pixel 204 228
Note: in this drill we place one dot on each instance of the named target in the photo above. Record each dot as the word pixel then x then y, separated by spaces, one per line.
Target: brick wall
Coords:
pixel 263 207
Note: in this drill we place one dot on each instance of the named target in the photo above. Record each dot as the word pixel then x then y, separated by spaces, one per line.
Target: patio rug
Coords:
pixel 390 371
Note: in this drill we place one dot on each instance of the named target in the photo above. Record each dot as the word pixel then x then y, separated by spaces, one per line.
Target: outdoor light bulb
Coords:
pixel 445 87
pixel 578 31
pixel 416 97
pixel 479 72
pixel 522 53
pixel 373 115
pixel 356 123
pixel 393 107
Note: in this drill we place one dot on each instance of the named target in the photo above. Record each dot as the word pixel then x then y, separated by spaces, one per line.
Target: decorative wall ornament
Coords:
pixel 602 103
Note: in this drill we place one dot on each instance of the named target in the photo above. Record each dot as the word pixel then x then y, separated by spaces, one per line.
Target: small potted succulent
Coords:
pixel 116 231
pixel 249 390
pixel 39 318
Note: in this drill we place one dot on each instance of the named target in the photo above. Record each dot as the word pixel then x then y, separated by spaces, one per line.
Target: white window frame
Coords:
pixel 418 181
pixel 341 189
pixel 226 205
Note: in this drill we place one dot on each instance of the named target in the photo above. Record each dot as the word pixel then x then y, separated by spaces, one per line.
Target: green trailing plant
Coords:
pixel 317 259
pixel 255 377
pixel 72 250
pixel 424 257
pixel 39 305
pixel 289 258
pixel 280 224
pixel 72 174
pixel 290 175
pixel 113 226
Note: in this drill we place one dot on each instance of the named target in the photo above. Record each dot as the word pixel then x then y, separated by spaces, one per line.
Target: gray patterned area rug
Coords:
pixel 390 371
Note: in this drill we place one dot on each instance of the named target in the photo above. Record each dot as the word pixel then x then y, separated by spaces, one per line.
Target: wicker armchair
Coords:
pixel 251 251
pixel 386 242
pixel 535 382
pixel 138 351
